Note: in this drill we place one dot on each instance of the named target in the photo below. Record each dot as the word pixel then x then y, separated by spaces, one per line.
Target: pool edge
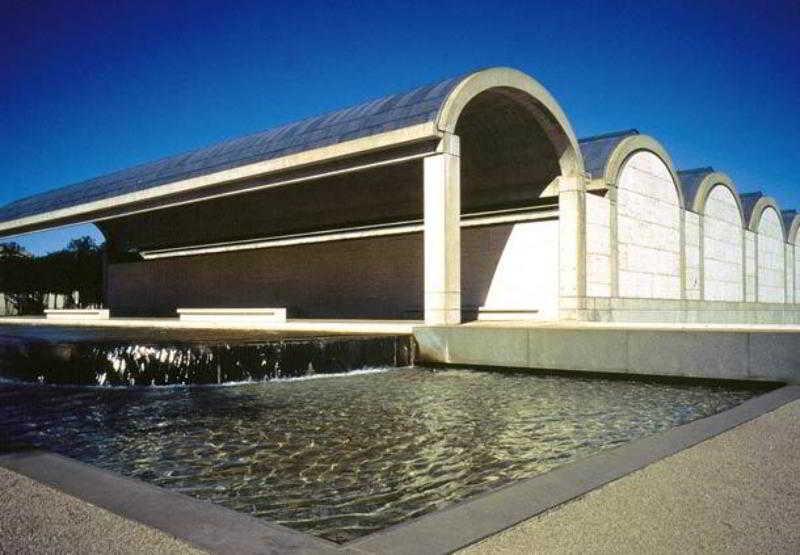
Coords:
pixel 217 529
pixel 475 519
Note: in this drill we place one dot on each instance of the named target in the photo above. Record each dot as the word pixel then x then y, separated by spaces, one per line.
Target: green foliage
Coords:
pixel 27 280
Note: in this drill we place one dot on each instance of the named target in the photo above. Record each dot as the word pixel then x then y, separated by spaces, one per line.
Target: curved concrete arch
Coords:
pixel 762 204
pixel 709 182
pixel 544 106
pixel 637 143
pixel 792 229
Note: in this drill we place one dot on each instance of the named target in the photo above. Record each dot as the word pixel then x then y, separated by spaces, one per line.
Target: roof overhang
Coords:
pixel 143 200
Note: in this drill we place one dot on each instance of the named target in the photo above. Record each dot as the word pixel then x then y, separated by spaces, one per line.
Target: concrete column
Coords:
pixel 572 247
pixel 788 273
pixel 682 254
pixel 614 246
pixel 442 207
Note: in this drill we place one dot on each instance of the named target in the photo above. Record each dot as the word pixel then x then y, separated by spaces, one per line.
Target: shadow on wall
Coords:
pixel 511 269
pixel 379 277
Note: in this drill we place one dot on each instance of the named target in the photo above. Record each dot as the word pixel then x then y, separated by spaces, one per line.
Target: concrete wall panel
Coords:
pixel 525 278
pixel 379 277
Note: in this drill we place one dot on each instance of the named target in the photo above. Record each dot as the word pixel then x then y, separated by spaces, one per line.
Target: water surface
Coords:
pixel 341 457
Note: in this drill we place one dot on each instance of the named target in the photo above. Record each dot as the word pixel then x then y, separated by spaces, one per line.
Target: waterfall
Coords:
pixel 170 363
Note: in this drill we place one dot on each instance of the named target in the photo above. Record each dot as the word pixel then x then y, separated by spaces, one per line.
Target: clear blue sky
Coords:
pixel 90 87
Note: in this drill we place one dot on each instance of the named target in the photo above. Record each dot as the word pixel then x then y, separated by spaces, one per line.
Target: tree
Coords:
pixel 17 279
pixel 27 281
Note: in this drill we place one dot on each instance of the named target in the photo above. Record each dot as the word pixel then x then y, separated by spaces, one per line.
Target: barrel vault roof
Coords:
pixel 389 113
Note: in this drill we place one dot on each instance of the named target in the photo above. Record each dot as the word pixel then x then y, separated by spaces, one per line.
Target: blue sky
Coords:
pixel 90 87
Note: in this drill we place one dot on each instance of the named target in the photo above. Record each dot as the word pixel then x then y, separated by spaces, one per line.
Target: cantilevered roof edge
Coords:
pixel 383 123
pixel 125 203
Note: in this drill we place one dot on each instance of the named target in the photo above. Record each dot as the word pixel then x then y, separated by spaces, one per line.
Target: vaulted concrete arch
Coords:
pixel 700 194
pixel 755 205
pixel 515 147
pixel 630 146
pixel 524 91
pixel 791 222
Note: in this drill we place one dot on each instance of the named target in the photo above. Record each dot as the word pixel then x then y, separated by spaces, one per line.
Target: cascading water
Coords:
pixel 169 363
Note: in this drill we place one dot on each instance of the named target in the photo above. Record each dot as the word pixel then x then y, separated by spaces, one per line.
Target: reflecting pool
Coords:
pixel 341 457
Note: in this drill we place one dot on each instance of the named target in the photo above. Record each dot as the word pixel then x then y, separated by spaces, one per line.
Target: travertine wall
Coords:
pixel 598 246
pixel 722 247
pixel 648 229
pixel 750 266
pixel 796 270
pixel 650 260
pixel 770 258
pixel 692 249
pixel 525 278
pixel 790 269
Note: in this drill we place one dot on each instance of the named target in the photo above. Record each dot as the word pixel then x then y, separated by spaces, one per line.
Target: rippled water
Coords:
pixel 342 457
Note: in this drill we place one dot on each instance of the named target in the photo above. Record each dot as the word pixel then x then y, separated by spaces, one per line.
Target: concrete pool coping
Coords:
pixel 298 325
pixel 218 529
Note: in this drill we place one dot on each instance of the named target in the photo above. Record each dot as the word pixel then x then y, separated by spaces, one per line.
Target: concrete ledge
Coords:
pixel 390 327
pixel 77 314
pixel 233 315
pixel 220 530
pixel 722 354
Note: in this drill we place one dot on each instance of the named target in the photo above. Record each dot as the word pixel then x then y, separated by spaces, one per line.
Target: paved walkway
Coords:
pixel 736 493
pixel 37 519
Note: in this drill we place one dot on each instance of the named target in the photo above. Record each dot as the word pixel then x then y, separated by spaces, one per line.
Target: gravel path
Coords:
pixel 37 519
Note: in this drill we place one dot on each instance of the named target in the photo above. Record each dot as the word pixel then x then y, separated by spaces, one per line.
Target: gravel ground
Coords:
pixel 37 519
pixel 736 493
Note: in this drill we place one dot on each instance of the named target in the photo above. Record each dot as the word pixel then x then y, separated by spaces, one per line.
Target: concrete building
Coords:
pixel 469 198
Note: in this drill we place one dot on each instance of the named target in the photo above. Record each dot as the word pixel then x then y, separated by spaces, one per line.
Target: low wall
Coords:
pixel 761 355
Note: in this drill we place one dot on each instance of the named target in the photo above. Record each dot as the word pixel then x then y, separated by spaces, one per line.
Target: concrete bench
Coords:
pixel 77 314
pixel 256 316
